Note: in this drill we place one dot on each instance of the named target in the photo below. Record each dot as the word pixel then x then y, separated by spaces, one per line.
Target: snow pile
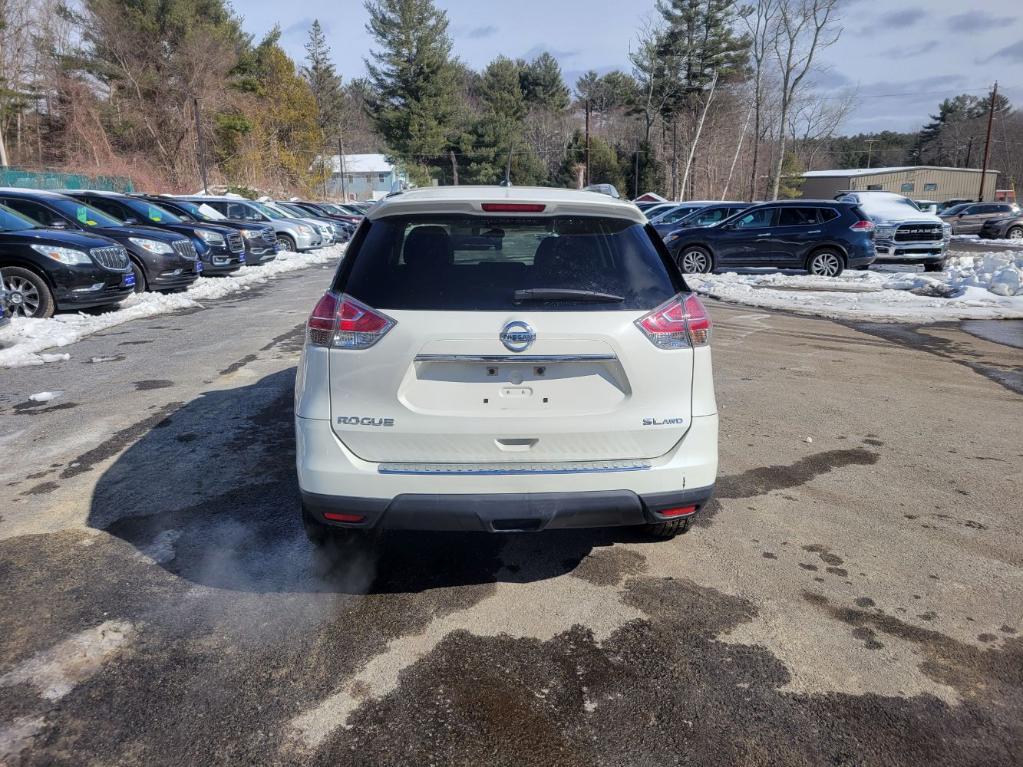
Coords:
pixel 984 286
pixel 23 340
pixel 45 396
pixel 976 238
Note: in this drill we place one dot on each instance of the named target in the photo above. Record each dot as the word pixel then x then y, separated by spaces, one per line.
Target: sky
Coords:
pixel 902 57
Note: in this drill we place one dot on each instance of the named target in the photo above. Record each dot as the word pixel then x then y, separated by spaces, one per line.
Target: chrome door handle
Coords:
pixel 768 234
pixel 815 231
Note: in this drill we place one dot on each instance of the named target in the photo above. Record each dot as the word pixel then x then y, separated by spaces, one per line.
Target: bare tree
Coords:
pixel 805 27
pixel 813 121
pixel 761 24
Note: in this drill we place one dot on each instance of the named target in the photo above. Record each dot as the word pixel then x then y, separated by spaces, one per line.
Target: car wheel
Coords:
pixel 825 263
pixel 287 243
pixel 140 278
pixel 934 266
pixel 694 261
pixel 30 296
pixel 666 530
pixel 1016 233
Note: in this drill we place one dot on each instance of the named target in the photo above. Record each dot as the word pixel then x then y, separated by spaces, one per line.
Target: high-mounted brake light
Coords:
pixel 679 323
pixel 513 207
pixel 342 322
pixel 863 226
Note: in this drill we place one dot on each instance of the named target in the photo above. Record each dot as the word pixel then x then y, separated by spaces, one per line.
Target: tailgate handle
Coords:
pixel 516 445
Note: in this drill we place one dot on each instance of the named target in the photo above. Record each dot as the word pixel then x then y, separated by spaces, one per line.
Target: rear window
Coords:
pixel 486 263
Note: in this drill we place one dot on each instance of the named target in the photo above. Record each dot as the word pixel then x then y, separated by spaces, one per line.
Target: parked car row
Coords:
pixel 997 220
pixel 80 249
pixel 824 237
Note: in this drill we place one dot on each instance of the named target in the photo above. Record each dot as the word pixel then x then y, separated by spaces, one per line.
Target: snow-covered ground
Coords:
pixel 977 287
pixel 976 239
pixel 24 340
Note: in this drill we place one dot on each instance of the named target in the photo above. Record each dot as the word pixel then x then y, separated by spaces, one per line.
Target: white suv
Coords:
pixel 505 359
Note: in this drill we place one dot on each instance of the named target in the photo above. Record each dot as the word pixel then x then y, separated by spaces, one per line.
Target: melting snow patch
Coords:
pixel 45 396
pixel 976 287
pixel 55 672
pixel 18 735
pixel 23 340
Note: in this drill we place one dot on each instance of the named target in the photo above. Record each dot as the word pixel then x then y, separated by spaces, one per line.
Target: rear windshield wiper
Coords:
pixel 565 294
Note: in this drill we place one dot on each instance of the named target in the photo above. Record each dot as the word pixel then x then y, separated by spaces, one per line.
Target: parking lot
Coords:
pixel 853 596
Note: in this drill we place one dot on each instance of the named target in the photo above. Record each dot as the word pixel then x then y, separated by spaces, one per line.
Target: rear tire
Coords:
pixel 694 260
pixel 1016 233
pixel 668 530
pixel 36 298
pixel 825 263
pixel 287 242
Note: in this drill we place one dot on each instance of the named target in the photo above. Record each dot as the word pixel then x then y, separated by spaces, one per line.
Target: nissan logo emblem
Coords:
pixel 517 336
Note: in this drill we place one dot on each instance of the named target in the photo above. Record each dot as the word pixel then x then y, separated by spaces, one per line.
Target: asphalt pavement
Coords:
pixel 853 596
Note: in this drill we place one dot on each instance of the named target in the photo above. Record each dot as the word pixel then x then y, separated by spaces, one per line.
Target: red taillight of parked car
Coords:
pixel 863 226
pixel 680 323
pixel 681 511
pixel 342 322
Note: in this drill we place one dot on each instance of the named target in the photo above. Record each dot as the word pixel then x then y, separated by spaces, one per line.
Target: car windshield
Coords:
pixel 149 213
pixel 293 209
pixel 954 210
pixel 86 215
pixel 271 211
pixel 200 210
pixel 462 263
pixel 12 221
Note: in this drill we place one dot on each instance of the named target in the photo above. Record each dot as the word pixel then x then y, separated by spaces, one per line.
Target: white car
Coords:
pixel 505 359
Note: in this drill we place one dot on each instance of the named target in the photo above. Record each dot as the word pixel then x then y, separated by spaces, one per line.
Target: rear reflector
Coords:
pixel 681 511
pixel 332 517
pixel 679 323
pixel 343 322
pixel 513 207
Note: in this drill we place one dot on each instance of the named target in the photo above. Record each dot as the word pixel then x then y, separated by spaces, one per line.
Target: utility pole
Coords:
pixel 586 178
pixel 200 146
pixel 987 141
pixel 969 152
pixel 870 149
pixel 341 165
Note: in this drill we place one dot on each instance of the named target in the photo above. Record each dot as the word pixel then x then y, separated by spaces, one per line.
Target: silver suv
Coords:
pixel 292 235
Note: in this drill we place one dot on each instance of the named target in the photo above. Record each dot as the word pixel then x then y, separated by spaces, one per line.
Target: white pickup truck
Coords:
pixel 904 234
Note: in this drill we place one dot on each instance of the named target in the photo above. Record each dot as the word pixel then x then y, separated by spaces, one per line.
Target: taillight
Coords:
pixel 513 207
pixel 342 322
pixel 679 323
pixel 863 226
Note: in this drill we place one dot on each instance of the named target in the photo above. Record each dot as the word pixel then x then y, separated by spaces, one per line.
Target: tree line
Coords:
pixel 720 100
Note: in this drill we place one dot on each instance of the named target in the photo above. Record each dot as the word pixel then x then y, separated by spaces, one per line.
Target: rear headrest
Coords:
pixel 428 247
pixel 572 257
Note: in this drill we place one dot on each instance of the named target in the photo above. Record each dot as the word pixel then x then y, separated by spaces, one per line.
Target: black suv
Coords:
pixel 49 269
pixel 161 260
pixel 822 236
pixel 221 248
pixel 260 239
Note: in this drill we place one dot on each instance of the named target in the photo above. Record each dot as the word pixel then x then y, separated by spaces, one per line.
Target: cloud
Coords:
pixel 1012 52
pixel 478 33
pixel 910 51
pixel 977 21
pixel 904 18
pixel 536 50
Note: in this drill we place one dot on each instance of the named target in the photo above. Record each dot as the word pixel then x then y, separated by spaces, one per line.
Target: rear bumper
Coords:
pixel 507 512
pixel 333 480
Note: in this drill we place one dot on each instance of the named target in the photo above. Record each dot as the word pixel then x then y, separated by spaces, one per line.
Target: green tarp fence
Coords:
pixel 47 179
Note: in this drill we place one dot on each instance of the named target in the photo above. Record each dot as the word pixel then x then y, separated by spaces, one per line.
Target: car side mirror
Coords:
pixel 58 223
pixel 131 221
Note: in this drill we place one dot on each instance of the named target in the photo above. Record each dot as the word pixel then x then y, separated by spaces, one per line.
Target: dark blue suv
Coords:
pixel 822 236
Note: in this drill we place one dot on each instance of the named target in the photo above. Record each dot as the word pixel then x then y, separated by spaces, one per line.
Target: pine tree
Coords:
pixel 324 82
pixel 414 83
pixel 542 84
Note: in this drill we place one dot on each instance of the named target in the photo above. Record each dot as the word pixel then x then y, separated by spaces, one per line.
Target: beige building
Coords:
pixel 920 182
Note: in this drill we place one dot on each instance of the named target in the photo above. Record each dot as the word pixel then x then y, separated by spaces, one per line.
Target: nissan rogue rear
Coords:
pixel 505 359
